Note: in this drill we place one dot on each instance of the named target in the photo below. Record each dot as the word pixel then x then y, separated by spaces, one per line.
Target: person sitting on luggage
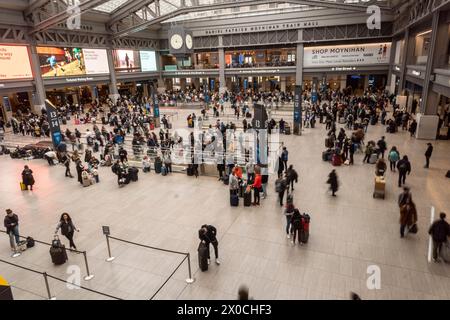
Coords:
pixel 146 164
pixel 51 156
pixel 380 168
pixel 208 234
pixel 27 178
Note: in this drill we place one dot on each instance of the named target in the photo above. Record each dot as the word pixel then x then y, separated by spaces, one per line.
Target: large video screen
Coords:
pixel 126 61
pixel 14 63
pixel 64 62
pixel 148 61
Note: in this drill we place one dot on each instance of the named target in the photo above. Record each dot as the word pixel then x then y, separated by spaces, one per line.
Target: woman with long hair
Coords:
pixel 67 228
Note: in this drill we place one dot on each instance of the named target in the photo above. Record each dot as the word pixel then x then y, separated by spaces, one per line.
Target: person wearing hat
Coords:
pixel 11 223
pixel 428 154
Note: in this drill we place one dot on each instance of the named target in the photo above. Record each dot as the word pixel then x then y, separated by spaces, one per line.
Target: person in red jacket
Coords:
pixel 257 186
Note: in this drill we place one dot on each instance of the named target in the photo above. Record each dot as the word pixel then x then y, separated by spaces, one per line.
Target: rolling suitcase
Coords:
pixel 226 179
pixel 304 233
pixel 164 171
pixel 203 256
pixel 158 165
pixel 190 170
pixel 287 130
pixel 234 200
pixel 133 173
pixel 58 252
pixel 247 199
pixel 337 160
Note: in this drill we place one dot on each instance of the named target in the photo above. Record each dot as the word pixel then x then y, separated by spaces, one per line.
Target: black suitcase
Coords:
pixel 133 173
pixel 226 179
pixel 287 131
pixel 234 200
pixel 203 256
pixel 448 174
pixel 247 199
pixel 58 252
pixel 190 171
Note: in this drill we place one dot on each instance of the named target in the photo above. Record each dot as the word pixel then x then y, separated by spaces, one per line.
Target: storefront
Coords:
pixel 78 94
pixel 278 57
pixel 172 63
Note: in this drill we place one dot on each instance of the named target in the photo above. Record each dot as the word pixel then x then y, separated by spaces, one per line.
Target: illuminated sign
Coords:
pixel 14 63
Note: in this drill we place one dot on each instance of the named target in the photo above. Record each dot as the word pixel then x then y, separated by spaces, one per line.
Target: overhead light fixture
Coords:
pixel 424 33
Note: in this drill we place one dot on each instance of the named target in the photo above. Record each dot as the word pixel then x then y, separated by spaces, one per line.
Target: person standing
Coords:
pixel 281 186
pixel 67 228
pixel 280 168
pixel 250 168
pixel 288 212
pixel 234 183
pixel 393 157
pixel 257 185
pixel 439 231
pixel 66 162
pixel 333 182
pixel 208 234
pixel 296 223
pixel 264 181
pixel 408 216
pixel 11 224
pixel 428 154
pixel 404 167
pixel 27 177
pixel 382 146
pixel 285 157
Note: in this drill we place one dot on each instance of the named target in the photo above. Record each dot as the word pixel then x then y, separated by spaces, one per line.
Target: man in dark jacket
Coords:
pixel 404 167
pixel 291 177
pixel 208 234
pixel 439 232
pixel 11 224
pixel 382 146
pixel 428 154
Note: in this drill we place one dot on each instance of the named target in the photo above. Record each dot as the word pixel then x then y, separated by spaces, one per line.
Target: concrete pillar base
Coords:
pixel 427 127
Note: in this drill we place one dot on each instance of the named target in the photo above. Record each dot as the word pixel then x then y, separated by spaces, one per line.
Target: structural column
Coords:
pixel 113 91
pixel 222 81
pixel 299 66
pixel 428 119
pixel 38 100
pixel 161 88
pixel 283 81
pixel 407 58
pixel 390 84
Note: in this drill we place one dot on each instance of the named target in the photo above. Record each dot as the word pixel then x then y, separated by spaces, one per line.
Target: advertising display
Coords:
pixel 96 61
pixel 14 63
pixel 126 61
pixel 298 110
pixel 64 62
pixel 148 61
pixel 347 55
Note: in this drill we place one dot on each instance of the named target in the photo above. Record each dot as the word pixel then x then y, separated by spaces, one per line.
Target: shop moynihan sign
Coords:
pixel 271 27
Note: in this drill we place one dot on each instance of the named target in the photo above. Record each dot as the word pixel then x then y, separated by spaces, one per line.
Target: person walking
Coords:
pixel 280 168
pixel 404 197
pixel 296 223
pixel 208 234
pixel 11 223
pixel 404 167
pixel 333 182
pixel 288 212
pixel 67 228
pixel 382 146
pixel 291 177
pixel 439 231
pixel 408 216
pixel 393 157
pixel 428 154
pixel 27 177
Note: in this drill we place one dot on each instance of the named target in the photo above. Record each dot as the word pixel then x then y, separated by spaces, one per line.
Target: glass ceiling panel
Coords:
pixel 110 6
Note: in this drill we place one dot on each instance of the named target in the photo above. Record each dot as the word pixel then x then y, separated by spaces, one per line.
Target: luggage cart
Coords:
pixel 380 187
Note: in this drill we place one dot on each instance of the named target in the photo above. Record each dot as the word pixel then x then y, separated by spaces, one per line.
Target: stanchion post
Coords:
pixel 89 275
pixel 48 287
pixel 190 279
pixel 110 258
